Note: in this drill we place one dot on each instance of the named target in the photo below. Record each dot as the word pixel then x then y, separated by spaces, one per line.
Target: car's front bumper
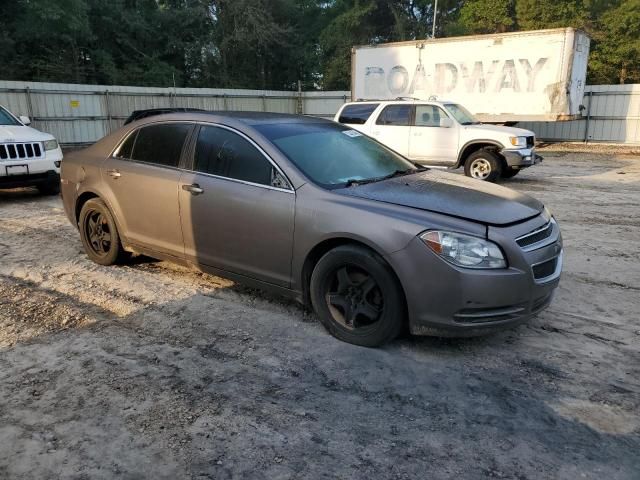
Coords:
pixel 33 171
pixel 521 158
pixel 445 300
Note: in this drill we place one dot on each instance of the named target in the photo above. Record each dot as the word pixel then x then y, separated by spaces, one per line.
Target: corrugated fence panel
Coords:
pixel 85 113
pixel 611 114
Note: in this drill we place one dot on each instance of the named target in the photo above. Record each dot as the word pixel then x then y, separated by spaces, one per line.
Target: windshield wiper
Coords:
pixel 396 173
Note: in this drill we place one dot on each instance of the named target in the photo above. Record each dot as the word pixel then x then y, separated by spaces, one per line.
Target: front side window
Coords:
pixel 399 115
pixel 357 114
pixel 461 114
pixel 160 143
pixel 6 118
pixel 224 153
pixel 428 116
pixel 332 155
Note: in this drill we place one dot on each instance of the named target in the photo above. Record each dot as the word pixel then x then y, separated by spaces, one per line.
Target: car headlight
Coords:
pixel 518 141
pixel 464 250
pixel 50 144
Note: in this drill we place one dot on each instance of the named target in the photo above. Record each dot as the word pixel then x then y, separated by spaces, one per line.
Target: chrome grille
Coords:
pixel 535 236
pixel 20 151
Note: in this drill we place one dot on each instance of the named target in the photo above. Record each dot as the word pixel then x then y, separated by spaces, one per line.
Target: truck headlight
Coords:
pixel 464 250
pixel 520 142
pixel 50 144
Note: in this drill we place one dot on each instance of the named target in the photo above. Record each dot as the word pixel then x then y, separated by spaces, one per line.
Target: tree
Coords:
pixel 539 14
pixel 487 16
pixel 617 57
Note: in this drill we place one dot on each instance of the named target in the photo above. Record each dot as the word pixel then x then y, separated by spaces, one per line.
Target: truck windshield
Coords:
pixel 6 118
pixel 334 156
pixel 461 114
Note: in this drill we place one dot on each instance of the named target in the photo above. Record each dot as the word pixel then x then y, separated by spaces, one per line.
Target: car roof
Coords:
pixel 246 118
pixel 400 101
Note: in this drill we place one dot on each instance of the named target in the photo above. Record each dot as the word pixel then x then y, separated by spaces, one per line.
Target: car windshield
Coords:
pixel 461 114
pixel 334 156
pixel 6 118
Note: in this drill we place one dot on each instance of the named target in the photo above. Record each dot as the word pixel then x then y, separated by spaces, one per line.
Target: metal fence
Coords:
pixel 81 114
pixel 611 114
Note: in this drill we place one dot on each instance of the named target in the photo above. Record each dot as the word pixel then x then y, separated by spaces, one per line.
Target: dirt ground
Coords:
pixel 150 370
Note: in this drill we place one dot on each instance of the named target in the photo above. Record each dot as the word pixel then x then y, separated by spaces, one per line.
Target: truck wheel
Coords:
pixel 484 165
pixel 99 233
pixel 510 172
pixel 49 188
pixel 357 296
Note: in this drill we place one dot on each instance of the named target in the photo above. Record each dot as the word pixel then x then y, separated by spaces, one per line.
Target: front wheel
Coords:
pixel 99 233
pixel 484 165
pixel 357 296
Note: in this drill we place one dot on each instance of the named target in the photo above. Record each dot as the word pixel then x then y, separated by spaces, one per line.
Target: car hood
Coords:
pixel 20 133
pixel 453 195
pixel 488 130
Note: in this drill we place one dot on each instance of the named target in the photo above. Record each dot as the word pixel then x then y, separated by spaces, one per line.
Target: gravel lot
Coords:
pixel 150 370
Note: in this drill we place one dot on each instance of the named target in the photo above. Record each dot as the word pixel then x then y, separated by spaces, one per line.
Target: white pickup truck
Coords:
pixel 28 157
pixel 443 134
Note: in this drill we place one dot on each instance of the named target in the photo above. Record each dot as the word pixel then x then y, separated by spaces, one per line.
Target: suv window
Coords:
pixel 428 116
pixel 395 115
pixel 357 114
pixel 160 144
pixel 227 154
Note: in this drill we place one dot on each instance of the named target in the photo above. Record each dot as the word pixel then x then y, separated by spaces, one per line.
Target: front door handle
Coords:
pixel 194 189
pixel 114 173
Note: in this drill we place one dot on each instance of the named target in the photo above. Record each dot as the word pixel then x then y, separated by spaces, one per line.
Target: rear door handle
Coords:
pixel 114 173
pixel 194 189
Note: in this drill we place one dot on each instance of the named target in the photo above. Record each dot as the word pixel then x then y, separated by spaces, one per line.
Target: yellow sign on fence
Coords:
pixel 75 103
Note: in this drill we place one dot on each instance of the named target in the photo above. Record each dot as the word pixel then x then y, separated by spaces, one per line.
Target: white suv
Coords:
pixel 443 134
pixel 28 157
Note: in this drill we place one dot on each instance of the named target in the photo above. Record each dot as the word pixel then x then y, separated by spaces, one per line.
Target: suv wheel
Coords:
pixel 99 233
pixel 357 296
pixel 484 165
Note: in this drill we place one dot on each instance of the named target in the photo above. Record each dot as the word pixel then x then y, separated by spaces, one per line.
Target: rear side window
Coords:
pixel 395 115
pixel 357 114
pixel 429 116
pixel 127 147
pixel 227 154
pixel 160 144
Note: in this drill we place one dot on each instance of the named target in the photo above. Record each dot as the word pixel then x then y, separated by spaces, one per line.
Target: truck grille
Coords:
pixel 19 151
pixel 531 141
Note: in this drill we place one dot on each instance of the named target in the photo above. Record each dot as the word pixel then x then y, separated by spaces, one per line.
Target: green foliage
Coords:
pixel 275 43
pixel 487 16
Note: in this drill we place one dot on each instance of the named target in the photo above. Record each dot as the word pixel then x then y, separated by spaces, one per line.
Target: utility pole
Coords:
pixel 435 14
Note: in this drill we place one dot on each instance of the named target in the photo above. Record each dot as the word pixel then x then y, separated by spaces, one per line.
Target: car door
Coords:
pixel 142 180
pixel 392 127
pixel 237 208
pixel 432 142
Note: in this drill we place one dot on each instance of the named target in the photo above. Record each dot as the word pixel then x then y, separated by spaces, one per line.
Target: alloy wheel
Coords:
pixel 354 298
pixel 480 168
pixel 98 233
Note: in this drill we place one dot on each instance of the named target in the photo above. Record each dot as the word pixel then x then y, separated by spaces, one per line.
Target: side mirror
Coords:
pixel 25 120
pixel 446 122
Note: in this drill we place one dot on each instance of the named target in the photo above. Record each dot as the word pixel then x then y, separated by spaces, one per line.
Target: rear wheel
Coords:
pixel 484 165
pixel 357 296
pixel 99 233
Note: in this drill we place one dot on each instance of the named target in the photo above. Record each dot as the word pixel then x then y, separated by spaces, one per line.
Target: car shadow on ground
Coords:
pixel 202 387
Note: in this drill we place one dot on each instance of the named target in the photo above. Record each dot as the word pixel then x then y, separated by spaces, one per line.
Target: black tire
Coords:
pixel 510 172
pixel 99 233
pixel 483 164
pixel 49 188
pixel 357 297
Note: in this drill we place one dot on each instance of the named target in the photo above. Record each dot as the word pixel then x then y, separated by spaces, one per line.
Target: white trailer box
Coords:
pixel 504 77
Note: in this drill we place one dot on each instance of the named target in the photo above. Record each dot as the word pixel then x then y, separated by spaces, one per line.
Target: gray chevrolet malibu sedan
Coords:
pixel 321 213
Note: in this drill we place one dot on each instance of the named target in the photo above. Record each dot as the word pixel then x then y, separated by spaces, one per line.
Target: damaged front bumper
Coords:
pixel 521 158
